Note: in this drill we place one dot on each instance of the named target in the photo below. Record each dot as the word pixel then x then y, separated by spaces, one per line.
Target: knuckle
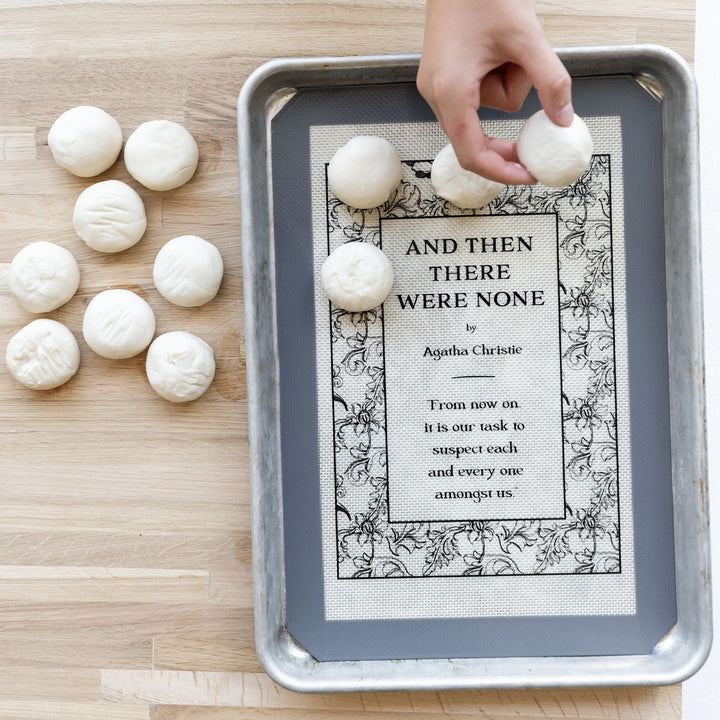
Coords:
pixel 423 85
pixel 442 88
pixel 561 83
pixel 467 163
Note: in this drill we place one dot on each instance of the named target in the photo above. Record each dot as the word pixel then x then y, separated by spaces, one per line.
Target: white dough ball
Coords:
pixel 357 276
pixel 118 324
pixel 43 276
pixel 188 271
pixel 364 172
pixel 180 366
pixel 43 355
pixel 109 216
pixel 461 187
pixel 555 156
pixel 85 140
pixel 161 155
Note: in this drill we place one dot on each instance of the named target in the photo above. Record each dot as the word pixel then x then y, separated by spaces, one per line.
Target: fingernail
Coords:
pixel 566 115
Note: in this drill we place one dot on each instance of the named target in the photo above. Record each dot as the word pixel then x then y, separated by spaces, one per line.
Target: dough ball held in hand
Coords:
pixel 118 324
pixel 180 366
pixel 188 271
pixel 43 355
pixel 357 276
pixel 161 155
pixel 555 156
pixel 43 276
pixel 364 172
pixel 461 187
pixel 109 216
pixel 85 140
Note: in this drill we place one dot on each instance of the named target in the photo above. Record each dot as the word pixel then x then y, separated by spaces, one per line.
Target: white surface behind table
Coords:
pixel 699 700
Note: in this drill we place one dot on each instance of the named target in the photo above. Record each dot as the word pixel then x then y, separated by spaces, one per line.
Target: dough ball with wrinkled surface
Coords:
pixel 555 156
pixel 180 366
pixel 118 324
pixel 364 172
pixel 43 355
pixel 43 276
pixel 109 216
pixel 357 276
pixel 85 140
pixel 188 271
pixel 461 187
pixel 161 155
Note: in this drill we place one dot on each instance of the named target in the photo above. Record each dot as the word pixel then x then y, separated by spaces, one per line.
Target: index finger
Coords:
pixel 550 78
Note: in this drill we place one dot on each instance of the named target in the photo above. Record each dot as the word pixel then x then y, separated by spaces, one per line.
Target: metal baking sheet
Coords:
pixel 666 635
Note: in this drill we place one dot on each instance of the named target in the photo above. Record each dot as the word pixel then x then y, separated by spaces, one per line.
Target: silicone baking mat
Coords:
pixel 481 466
pixel 475 428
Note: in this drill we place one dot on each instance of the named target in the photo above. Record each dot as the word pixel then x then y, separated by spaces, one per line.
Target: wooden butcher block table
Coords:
pixel 125 567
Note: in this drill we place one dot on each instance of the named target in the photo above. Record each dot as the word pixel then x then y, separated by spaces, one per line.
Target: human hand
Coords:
pixel 488 52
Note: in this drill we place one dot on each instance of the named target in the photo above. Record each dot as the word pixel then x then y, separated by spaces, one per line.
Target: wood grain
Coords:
pixel 125 568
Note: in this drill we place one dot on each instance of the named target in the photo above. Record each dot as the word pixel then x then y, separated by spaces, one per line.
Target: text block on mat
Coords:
pixel 472 367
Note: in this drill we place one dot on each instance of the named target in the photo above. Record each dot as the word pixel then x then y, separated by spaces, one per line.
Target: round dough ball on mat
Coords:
pixel 188 271
pixel 556 156
pixel 180 366
pixel 161 155
pixel 85 140
pixel 461 187
pixel 109 216
pixel 365 171
pixel 118 324
pixel 357 276
pixel 43 276
pixel 43 355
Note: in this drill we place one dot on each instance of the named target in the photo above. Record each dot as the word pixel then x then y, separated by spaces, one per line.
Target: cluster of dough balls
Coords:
pixel 110 217
pixel 160 154
pixel 363 174
pixel 555 156
pixel 44 354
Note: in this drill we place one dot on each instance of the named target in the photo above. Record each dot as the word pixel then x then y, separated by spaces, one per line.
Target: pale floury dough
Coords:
pixel 461 187
pixel 364 172
pixel 555 156
pixel 180 366
pixel 188 271
pixel 85 140
pixel 43 276
pixel 118 324
pixel 161 155
pixel 357 276
pixel 43 355
pixel 109 216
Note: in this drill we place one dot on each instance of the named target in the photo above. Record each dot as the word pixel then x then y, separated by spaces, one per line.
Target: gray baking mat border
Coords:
pixel 648 371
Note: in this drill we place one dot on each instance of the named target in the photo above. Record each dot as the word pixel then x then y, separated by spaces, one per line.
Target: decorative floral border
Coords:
pixel 588 539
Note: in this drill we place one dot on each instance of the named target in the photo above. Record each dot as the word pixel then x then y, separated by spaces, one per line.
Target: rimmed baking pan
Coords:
pixel 497 478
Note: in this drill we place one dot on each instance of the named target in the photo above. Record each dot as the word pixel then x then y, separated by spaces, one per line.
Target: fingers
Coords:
pixel 505 88
pixel 492 158
pixel 550 78
pixel 456 109
pixel 492 165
